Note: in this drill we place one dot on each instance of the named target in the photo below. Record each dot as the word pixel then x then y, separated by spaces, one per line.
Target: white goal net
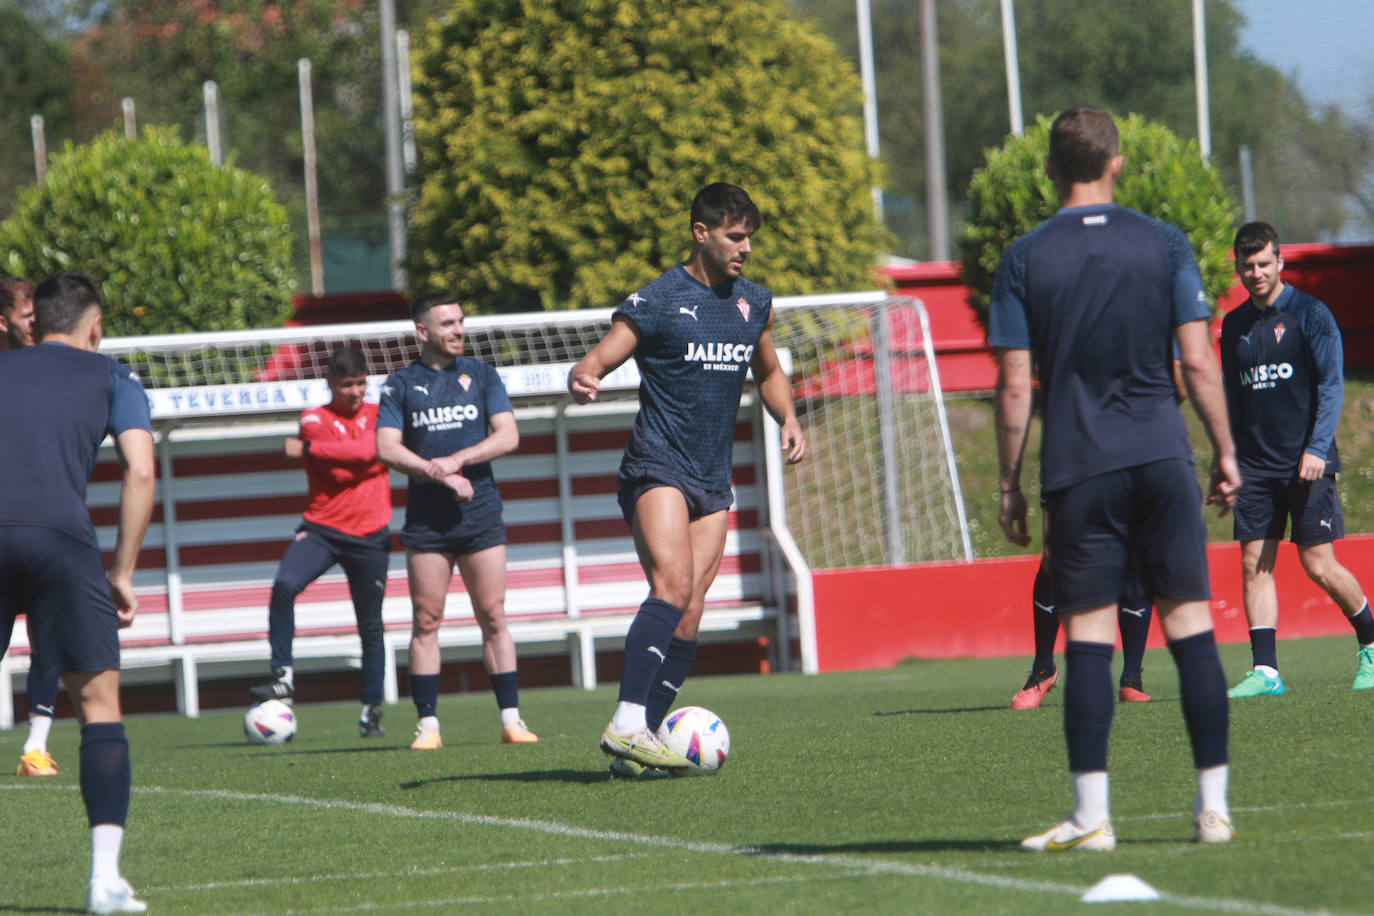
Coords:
pixel 879 485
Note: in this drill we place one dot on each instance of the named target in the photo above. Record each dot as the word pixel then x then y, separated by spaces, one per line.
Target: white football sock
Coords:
pixel 1089 798
pixel 105 843
pixel 510 716
pixel 629 718
pixel 1211 790
pixel 39 726
pixel 288 674
pixel 428 724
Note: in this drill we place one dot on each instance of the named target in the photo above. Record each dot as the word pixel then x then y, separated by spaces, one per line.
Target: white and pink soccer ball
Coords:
pixel 269 722
pixel 700 736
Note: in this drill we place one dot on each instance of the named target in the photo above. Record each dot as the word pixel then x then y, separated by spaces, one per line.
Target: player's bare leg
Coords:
pixel 707 535
pixel 1320 563
pixel 484 576
pixel 1262 613
pixel 429 575
pixel 663 541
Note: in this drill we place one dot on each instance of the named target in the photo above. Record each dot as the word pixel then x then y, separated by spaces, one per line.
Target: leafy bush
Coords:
pixel 175 242
pixel 561 143
pixel 1163 177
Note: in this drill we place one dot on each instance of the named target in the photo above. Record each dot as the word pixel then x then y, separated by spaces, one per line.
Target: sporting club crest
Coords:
pixel 743 305
pixel 1278 332
pixel 465 380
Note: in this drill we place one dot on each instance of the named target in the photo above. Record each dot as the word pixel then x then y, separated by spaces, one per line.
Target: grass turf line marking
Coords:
pixel 582 894
pixel 402 874
pixel 870 866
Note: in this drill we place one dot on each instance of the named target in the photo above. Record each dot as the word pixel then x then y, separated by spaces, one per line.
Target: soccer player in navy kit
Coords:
pixel 693 332
pixel 16 330
pixel 1116 464
pixel 346 521
pixel 1282 364
pixel 441 421
pixel 66 398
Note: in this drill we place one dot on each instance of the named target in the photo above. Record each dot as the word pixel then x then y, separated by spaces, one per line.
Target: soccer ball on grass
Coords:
pixel 269 722
pixel 700 736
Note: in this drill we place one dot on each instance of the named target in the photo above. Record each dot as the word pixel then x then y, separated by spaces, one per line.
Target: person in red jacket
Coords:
pixel 346 522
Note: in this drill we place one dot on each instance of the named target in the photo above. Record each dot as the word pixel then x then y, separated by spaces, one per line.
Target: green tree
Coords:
pixel 561 142
pixel 176 243
pixel 1163 177
pixel 1114 56
pixel 35 78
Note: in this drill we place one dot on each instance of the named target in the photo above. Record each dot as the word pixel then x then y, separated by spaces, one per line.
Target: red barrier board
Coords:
pixel 877 616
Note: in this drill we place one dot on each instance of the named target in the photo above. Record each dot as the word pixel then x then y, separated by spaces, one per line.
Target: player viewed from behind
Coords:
pixel 67 398
pixel 442 421
pixel 693 332
pixel 16 330
pixel 346 521
pixel 1282 364
pixel 1098 279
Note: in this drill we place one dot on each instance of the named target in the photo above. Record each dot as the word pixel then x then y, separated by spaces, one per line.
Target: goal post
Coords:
pixel 879 486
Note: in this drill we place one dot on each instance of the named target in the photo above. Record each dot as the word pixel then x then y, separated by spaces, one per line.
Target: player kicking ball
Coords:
pixel 693 332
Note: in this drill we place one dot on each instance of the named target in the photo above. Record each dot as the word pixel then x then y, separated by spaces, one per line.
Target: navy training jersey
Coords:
pixel 1283 369
pixel 694 351
pixel 439 412
pixel 1095 293
pixel 60 403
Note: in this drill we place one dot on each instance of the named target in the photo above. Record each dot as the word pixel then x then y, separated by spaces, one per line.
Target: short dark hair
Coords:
pixel 1082 142
pixel 13 289
pixel 721 203
pixel 347 362
pixel 1251 239
pixel 421 304
pixel 61 302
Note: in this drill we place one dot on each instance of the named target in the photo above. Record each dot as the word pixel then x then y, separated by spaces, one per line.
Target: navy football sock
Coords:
pixel 1045 622
pixel 1135 630
pixel 106 774
pixel 1363 622
pixel 424 690
pixel 671 675
pixel 646 648
pixel 1202 685
pixel 1262 648
pixel 506 686
pixel 1089 702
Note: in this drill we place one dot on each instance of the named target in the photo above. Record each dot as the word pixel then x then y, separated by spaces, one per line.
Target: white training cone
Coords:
pixel 1120 887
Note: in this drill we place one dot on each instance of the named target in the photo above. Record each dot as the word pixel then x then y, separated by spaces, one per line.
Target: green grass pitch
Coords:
pixel 903 790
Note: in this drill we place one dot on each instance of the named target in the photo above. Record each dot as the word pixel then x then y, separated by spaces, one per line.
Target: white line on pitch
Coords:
pixel 526 899
pixel 872 866
pixel 403 873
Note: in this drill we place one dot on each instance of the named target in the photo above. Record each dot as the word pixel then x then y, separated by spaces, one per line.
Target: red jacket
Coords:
pixel 350 490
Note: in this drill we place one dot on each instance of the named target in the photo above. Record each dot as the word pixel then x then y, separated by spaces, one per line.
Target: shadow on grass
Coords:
pixel 580 777
pixel 10 908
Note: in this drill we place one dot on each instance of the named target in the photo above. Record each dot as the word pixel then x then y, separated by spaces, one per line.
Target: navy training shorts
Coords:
pixel 1148 517
pixel 635 480
pixel 1264 506
pixel 60 581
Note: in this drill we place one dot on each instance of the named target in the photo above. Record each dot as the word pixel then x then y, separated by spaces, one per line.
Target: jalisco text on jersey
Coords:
pixel 723 352
pixel 447 417
pixel 1265 375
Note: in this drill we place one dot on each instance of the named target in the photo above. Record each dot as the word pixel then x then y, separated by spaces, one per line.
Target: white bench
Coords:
pixel 229 502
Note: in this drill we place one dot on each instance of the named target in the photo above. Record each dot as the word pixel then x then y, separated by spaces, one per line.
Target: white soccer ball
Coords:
pixel 700 736
pixel 269 722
